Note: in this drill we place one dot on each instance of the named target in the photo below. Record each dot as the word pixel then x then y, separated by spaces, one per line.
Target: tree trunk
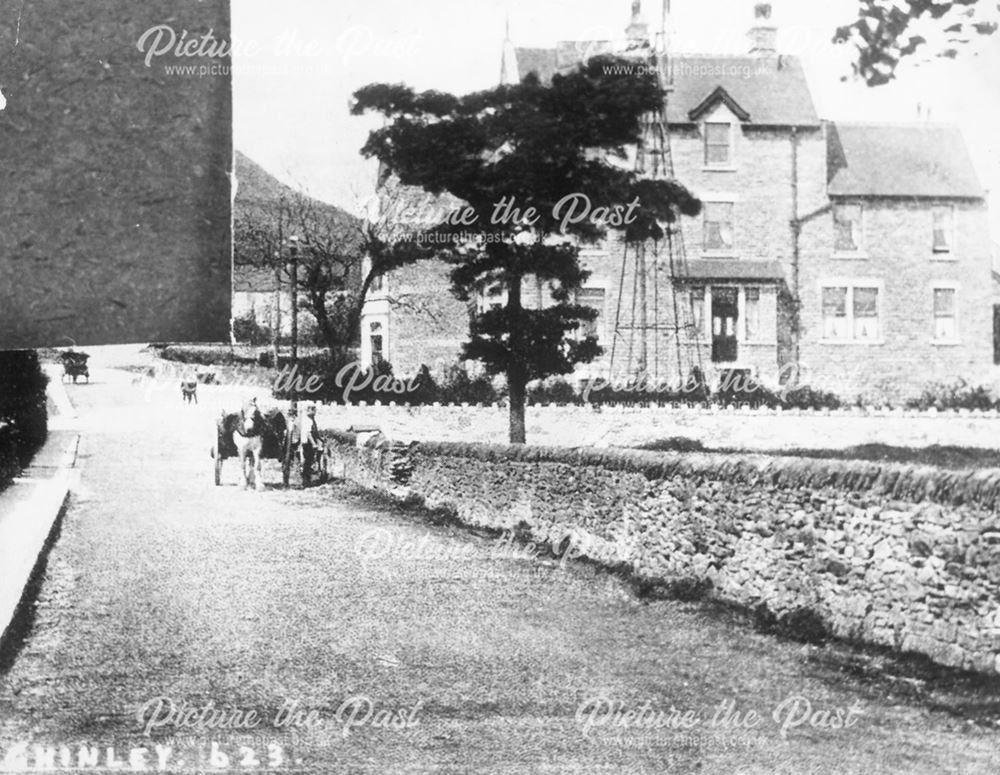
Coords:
pixel 276 320
pixel 516 385
pixel 516 378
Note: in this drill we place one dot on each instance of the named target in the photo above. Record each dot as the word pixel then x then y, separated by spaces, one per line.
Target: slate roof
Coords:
pixel 772 90
pixel 925 160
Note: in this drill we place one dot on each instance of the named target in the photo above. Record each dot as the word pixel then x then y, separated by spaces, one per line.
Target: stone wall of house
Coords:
pixel 900 557
pixel 423 323
pixel 898 256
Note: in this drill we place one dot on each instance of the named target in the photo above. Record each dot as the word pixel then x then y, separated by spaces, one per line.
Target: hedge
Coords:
pixel 23 403
pixel 9 463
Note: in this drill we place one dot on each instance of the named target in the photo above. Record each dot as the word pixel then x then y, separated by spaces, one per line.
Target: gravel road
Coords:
pixel 194 628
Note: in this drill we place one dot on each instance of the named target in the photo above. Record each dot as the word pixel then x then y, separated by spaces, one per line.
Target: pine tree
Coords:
pixel 521 157
pixel 887 32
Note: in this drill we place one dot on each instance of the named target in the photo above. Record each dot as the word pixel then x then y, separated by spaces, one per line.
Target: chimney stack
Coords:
pixel 637 30
pixel 763 35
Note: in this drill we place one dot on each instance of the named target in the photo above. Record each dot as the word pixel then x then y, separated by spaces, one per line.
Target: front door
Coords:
pixel 725 311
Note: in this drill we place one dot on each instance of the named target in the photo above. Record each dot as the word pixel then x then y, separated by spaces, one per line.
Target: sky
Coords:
pixel 297 62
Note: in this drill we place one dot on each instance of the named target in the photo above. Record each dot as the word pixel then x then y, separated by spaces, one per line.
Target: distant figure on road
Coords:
pixel 189 389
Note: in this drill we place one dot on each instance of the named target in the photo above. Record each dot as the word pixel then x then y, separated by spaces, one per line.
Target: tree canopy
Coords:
pixel 885 32
pixel 542 169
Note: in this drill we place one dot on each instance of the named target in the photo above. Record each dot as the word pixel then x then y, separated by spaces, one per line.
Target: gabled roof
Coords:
pixel 771 89
pixel 925 160
pixel 713 99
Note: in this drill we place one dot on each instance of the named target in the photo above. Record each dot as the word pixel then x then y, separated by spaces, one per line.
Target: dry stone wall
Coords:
pixel 897 556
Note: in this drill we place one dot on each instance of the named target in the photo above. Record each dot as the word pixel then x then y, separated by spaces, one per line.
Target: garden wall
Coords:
pixel 759 429
pixel 898 556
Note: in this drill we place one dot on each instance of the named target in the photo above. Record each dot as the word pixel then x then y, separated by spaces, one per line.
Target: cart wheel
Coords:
pixel 218 466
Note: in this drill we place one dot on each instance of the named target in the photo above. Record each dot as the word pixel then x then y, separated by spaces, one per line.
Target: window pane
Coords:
pixel 945 326
pixel 835 313
pixel 717 133
pixel 717 143
pixel 847 227
pixel 717 154
pixel 865 302
pixel 718 225
pixel 865 313
pixel 698 310
pixel 835 302
pixel 942 228
pixel 594 299
pixel 944 329
pixel 944 302
pixel 753 313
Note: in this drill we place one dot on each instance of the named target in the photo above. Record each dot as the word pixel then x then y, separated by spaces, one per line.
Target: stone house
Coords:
pixel 257 293
pixel 848 256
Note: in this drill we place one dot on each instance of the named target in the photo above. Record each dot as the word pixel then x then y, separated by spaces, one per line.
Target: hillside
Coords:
pixel 259 193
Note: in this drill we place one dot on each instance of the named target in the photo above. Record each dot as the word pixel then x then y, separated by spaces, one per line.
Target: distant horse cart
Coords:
pixel 252 436
pixel 75 365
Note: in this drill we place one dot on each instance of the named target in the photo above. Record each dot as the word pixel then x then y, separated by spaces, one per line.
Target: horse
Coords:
pixel 251 436
pixel 189 390
pixel 245 431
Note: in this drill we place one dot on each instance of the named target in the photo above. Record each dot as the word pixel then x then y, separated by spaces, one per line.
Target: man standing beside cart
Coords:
pixel 311 445
pixel 304 443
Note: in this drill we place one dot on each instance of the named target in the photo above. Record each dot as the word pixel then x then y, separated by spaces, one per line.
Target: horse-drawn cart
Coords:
pixel 75 365
pixel 252 436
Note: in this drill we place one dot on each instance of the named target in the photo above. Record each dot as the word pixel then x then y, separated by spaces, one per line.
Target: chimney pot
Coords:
pixel 763 35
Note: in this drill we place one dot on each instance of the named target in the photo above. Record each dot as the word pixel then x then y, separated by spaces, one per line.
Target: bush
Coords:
pixel 427 389
pixel 458 387
pixel 206 355
pixel 883 393
pixel 738 387
pixel 9 463
pixel 674 444
pixel 246 329
pixel 809 398
pixel 22 402
pixel 954 395
pixel 553 391
pixel 694 390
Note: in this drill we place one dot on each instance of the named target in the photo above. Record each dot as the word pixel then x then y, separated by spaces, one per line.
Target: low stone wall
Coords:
pixel 893 555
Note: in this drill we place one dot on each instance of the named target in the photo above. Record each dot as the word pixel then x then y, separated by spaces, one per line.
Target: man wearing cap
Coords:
pixel 311 444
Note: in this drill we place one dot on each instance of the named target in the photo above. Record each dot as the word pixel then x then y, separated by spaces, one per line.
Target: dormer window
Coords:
pixel 718 144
